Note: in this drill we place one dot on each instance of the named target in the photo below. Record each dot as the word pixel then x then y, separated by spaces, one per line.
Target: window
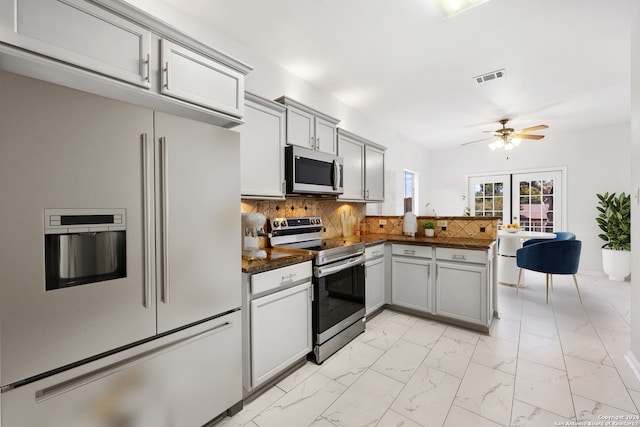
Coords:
pixel 532 199
pixel 410 191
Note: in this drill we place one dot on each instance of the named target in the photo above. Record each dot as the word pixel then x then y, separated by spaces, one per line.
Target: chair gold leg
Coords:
pixel 547 283
pixel 577 288
pixel 518 285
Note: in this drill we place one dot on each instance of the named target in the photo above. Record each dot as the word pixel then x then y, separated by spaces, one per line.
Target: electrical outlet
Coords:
pixel 441 223
pixel 382 222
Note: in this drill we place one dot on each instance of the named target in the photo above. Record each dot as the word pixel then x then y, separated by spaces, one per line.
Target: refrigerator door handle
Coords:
pixel 147 165
pixel 164 180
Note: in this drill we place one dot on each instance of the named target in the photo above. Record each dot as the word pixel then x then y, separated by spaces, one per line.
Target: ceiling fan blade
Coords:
pixel 525 136
pixel 478 140
pixel 531 129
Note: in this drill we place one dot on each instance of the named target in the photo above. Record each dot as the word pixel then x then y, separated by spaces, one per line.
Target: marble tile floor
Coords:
pixel 542 365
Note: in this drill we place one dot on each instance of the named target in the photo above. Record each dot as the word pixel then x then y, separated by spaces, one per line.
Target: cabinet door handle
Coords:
pixel 428 271
pixel 288 278
pixel 312 142
pixel 367 196
pixel 145 68
pixel 166 71
pixel 459 257
pixel 374 253
pixel 317 143
pixel 409 252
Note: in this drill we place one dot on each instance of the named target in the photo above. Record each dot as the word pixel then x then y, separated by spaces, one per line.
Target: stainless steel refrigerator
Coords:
pixel 152 336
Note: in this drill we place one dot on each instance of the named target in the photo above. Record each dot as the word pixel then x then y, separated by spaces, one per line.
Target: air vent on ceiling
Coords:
pixel 489 76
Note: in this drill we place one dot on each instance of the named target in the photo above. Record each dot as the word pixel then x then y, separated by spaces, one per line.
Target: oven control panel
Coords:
pixel 294 223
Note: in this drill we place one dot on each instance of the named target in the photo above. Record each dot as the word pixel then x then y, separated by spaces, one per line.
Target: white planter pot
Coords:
pixel 428 232
pixel 616 264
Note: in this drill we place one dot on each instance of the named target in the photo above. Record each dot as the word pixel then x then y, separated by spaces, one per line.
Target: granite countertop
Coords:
pixel 275 259
pixel 450 242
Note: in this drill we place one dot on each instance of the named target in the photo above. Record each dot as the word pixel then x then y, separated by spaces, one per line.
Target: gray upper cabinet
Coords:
pixel 79 33
pixel 363 168
pixel 374 173
pixel 262 140
pixel 196 78
pixel 112 49
pixel 309 128
pixel 351 149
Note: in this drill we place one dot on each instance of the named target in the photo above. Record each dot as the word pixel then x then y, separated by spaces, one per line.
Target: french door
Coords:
pixel 533 199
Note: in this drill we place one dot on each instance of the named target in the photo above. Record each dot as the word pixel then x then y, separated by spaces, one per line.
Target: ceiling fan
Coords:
pixel 508 138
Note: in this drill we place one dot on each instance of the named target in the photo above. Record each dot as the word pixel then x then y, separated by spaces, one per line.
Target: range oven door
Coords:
pixel 338 297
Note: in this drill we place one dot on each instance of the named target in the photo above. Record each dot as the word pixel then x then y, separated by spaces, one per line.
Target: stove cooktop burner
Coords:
pixel 305 233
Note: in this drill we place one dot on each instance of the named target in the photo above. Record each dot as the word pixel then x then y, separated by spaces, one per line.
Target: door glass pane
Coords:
pixel 487 194
pixel 538 193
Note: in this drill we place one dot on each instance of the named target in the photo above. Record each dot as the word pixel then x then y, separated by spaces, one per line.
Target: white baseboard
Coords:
pixel 633 363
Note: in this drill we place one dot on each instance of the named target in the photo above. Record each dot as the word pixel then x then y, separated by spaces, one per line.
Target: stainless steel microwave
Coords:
pixel 312 172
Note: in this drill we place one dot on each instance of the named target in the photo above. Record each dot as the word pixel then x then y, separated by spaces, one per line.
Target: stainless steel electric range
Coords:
pixel 338 281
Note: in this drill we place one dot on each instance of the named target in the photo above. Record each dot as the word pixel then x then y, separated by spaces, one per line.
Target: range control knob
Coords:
pixel 283 223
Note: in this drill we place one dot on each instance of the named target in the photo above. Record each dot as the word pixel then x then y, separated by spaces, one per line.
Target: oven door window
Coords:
pixel 339 295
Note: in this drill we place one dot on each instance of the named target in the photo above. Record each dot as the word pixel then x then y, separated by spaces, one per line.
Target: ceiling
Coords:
pixel 567 62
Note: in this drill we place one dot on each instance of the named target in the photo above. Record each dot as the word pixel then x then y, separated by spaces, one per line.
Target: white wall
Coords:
pixel 597 160
pixel 272 81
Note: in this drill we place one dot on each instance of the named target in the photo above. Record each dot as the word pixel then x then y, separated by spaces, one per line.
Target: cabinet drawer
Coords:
pixel 273 279
pixel 476 256
pixel 192 77
pixel 376 251
pixel 412 250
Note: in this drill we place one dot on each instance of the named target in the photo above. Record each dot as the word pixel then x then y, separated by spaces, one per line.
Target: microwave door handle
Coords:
pixel 336 175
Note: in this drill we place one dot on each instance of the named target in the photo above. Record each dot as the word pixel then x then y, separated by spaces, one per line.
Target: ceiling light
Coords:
pixel 506 141
pixel 450 8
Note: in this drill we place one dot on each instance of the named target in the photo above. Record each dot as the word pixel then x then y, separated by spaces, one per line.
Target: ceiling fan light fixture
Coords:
pixel 516 141
pixel 508 146
pixel 492 146
pixel 499 143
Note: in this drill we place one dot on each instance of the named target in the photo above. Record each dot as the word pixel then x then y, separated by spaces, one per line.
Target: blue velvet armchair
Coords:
pixel 551 257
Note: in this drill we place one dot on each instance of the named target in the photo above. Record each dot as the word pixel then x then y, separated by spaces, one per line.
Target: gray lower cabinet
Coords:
pixel 277 322
pixel 374 278
pixel 411 284
pixel 461 285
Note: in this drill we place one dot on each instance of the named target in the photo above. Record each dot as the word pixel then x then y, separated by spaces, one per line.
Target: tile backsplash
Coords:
pixel 473 227
pixel 331 211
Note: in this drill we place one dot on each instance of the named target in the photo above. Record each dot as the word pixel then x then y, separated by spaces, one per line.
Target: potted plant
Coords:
pixel 428 227
pixel 614 220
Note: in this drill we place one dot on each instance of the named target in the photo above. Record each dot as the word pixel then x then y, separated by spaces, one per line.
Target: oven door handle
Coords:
pixel 322 271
